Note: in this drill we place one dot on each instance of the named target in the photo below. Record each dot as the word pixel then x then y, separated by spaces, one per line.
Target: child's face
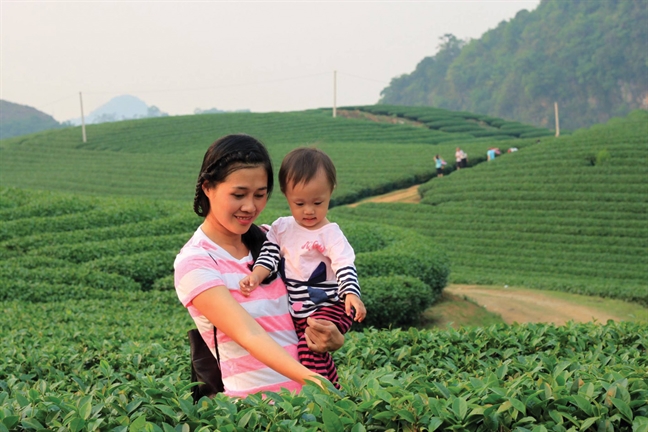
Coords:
pixel 309 202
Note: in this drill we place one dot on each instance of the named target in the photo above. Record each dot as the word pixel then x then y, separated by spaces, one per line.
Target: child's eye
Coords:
pixel 299 204
pixel 318 203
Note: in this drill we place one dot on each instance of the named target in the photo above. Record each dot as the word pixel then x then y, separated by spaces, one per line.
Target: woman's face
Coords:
pixel 237 202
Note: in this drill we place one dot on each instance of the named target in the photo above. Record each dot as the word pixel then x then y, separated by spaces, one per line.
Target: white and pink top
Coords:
pixel 317 265
pixel 201 265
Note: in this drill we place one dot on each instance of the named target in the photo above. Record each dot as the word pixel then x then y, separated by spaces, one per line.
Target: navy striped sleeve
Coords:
pixel 269 256
pixel 347 278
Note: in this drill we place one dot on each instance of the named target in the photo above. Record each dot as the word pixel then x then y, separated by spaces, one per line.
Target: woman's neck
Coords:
pixel 232 243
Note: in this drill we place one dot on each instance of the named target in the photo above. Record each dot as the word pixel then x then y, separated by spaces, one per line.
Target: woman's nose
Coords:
pixel 248 205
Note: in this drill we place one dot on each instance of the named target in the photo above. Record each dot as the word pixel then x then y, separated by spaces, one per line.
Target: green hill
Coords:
pixel 159 158
pixel 16 119
pixel 561 213
pixel 94 338
pixel 589 56
pixel 566 214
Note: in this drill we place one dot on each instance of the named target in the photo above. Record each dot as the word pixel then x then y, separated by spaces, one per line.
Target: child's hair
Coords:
pixel 302 164
pixel 228 154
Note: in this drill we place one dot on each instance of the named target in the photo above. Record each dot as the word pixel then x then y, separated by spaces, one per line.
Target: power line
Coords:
pixel 211 87
pixel 58 100
pixel 364 78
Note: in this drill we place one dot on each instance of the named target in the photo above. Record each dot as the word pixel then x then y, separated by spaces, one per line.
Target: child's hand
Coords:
pixel 352 300
pixel 248 284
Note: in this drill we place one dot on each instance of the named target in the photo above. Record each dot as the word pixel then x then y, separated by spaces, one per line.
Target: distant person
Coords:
pixel 458 157
pixel 439 163
pixel 464 159
pixel 314 258
pixel 512 149
pixel 490 154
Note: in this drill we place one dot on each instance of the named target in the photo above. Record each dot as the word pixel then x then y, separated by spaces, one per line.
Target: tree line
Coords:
pixel 589 56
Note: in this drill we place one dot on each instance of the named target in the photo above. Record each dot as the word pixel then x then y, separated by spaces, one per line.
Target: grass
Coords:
pixel 457 311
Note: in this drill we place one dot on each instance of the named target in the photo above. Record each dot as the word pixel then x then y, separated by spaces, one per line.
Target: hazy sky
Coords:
pixel 263 55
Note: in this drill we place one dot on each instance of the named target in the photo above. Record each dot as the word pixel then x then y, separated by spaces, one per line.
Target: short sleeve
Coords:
pixel 194 274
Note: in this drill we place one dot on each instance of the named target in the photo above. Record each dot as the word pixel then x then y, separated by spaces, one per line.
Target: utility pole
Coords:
pixel 334 94
pixel 557 120
pixel 82 118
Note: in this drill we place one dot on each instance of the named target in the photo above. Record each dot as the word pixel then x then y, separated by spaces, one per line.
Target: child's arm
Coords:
pixel 352 300
pixel 251 282
pixel 342 259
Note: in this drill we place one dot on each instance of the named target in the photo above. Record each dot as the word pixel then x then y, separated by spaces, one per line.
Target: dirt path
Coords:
pixel 409 195
pixel 522 305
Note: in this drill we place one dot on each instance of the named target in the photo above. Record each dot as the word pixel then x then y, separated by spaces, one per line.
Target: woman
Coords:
pixel 256 338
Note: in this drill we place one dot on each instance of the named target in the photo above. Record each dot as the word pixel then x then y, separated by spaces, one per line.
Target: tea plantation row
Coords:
pixel 468 126
pixel 543 217
pixel 160 158
pixel 80 247
pixel 122 364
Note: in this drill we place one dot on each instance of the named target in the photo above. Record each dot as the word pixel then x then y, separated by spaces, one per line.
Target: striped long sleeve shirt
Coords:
pixel 316 265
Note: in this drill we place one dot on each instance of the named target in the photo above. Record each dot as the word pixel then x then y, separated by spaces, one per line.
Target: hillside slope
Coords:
pixel 589 56
pixel 16 119
pixel 160 158
pixel 566 214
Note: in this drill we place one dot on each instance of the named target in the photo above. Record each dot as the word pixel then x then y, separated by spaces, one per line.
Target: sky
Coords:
pixel 258 55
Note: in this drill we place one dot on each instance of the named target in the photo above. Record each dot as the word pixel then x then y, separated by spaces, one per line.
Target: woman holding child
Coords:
pixel 255 334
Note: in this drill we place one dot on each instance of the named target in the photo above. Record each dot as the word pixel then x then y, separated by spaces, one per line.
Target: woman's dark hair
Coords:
pixel 302 164
pixel 228 154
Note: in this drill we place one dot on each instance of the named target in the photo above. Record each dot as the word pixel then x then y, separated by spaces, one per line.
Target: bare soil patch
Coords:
pixel 409 195
pixel 378 118
pixel 523 305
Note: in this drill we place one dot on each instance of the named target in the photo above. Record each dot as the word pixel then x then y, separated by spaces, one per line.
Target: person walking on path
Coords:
pixel 439 163
pixel 461 158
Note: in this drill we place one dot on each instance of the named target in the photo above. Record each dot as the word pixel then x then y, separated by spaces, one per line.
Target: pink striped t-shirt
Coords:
pixel 201 265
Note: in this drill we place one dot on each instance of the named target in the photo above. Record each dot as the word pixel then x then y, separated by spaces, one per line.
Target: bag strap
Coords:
pixel 204 367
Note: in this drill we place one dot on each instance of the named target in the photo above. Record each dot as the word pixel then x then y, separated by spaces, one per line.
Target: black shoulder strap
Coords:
pixel 204 367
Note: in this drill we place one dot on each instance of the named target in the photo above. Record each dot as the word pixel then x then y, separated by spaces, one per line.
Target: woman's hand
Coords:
pixel 323 336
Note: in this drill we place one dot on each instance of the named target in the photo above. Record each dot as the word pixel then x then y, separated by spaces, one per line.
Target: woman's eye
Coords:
pixel 260 196
pixel 238 196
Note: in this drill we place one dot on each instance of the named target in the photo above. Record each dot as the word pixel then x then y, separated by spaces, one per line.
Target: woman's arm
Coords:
pixel 218 305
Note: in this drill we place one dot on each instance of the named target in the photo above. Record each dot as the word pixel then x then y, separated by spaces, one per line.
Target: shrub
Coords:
pixel 165 283
pixel 602 157
pixel 404 254
pixel 537 134
pixel 394 301
pixel 467 127
pixel 144 268
pixel 445 123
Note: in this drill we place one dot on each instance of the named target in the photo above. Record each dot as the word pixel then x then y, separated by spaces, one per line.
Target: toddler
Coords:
pixel 312 255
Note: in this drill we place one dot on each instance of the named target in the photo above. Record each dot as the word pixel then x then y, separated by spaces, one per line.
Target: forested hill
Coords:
pixel 589 56
pixel 16 119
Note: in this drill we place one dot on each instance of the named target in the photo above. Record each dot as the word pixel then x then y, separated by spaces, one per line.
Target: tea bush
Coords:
pixel 127 369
